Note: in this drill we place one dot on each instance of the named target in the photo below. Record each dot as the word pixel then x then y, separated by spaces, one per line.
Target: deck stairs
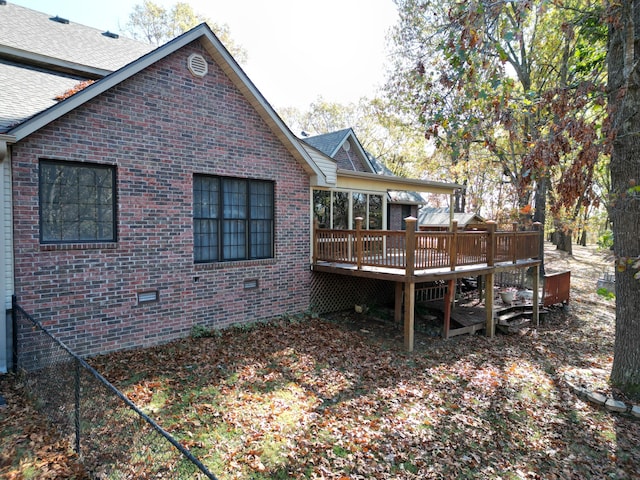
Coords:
pixel 512 318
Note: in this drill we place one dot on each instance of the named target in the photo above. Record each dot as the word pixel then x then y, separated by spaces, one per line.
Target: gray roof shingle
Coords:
pixel 435 216
pixel 31 31
pixel 41 59
pixel 27 90
pixel 328 143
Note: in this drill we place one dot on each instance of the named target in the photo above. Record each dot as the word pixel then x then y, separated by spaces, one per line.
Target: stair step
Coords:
pixel 508 316
pixel 515 326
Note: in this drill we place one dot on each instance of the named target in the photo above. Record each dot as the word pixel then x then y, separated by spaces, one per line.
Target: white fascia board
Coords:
pixel 385 182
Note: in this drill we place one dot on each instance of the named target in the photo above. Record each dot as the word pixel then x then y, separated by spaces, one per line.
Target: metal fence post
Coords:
pixel 77 404
pixel 14 332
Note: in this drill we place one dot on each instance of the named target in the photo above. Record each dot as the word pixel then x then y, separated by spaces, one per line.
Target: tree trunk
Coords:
pixel 540 214
pixel 564 241
pixel 624 104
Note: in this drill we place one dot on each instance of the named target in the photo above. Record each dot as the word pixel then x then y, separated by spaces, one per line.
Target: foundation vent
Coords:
pixel 250 284
pixel 197 65
pixel 147 297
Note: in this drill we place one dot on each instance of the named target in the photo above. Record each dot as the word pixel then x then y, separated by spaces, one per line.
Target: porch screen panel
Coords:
pixel 206 213
pixel 375 212
pixel 234 225
pixel 340 210
pixel 360 208
pixel 322 208
pixel 261 223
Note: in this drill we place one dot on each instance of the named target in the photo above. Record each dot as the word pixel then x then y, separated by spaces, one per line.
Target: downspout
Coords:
pixel 5 265
pixel 4 141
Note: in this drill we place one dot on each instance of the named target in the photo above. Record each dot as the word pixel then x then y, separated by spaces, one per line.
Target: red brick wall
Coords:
pixel 350 160
pixel 396 216
pixel 158 128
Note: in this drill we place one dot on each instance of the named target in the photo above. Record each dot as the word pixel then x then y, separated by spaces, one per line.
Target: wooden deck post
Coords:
pixel 453 247
pixel 448 300
pixel 491 245
pixel 359 242
pixel 316 225
pixel 490 327
pixel 397 312
pixel 409 314
pixel 410 245
pixel 409 284
pixel 514 242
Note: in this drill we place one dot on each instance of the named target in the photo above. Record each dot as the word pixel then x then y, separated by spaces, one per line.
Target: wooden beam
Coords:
pixel 397 304
pixel 471 329
pixel 409 314
pixel 448 300
pixel 488 305
pixel 359 242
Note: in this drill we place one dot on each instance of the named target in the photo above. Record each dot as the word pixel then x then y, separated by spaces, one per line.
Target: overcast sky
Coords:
pixel 298 50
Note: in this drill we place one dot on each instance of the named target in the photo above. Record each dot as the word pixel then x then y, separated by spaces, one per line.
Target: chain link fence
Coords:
pixel 113 438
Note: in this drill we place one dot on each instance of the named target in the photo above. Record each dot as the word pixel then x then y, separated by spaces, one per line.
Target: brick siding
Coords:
pixel 159 128
pixel 350 160
pixel 396 216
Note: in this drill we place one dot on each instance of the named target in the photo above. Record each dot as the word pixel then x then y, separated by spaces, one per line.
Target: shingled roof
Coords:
pixel 328 143
pixel 27 31
pixel 435 216
pixel 43 56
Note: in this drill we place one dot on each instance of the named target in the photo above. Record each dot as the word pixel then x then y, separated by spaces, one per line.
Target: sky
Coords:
pixel 298 50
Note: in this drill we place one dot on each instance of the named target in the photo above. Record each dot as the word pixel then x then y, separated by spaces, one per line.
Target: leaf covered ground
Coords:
pixel 339 399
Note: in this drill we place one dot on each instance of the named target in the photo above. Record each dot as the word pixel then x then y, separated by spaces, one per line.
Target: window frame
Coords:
pixel 249 218
pixel 42 210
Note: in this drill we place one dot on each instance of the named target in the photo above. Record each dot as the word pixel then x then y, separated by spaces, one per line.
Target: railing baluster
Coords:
pixel 437 249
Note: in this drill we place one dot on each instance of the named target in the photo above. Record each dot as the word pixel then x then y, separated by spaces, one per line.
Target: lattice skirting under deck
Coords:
pixel 332 293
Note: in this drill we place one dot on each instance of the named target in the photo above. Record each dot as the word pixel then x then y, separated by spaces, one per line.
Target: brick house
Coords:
pixel 165 194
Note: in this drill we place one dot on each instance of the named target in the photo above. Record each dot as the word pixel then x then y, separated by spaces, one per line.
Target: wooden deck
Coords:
pixel 410 257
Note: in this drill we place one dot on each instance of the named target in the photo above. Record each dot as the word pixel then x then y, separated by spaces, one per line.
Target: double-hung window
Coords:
pixel 77 202
pixel 232 219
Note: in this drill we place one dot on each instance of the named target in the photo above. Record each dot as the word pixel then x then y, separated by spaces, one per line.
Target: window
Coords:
pixel 232 219
pixel 337 209
pixel 77 202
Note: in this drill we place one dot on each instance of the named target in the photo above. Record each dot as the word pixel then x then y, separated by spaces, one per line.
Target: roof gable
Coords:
pixel 342 145
pixel 328 143
pixel 228 65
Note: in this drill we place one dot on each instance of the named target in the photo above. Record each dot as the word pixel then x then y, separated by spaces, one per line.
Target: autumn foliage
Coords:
pixel 76 88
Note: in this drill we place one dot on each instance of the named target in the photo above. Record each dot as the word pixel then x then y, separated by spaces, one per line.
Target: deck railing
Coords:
pixel 412 250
